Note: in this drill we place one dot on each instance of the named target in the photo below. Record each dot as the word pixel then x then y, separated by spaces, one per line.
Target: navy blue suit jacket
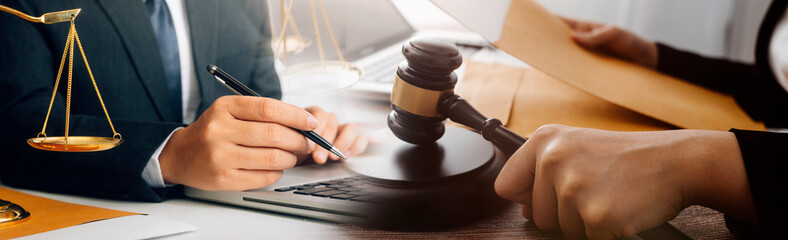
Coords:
pixel 121 48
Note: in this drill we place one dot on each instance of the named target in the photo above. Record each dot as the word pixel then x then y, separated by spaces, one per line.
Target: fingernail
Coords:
pixel 323 157
pixel 347 154
pixel 311 123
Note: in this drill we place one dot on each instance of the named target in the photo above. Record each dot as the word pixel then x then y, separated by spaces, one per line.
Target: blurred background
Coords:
pixel 719 28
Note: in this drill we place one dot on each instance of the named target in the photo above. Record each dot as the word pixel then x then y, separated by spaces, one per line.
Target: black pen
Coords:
pixel 241 89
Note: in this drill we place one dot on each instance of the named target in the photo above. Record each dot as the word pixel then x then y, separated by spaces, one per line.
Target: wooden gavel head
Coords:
pixel 422 80
pixel 423 96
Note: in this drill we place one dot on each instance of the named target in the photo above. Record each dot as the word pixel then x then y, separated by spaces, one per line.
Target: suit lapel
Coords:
pixel 131 21
pixel 203 18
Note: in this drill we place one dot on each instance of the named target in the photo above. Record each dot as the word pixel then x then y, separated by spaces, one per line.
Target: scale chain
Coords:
pixel 95 86
pixel 71 40
pixel 70 75
pixel 330 31
pixel 317 33
pixel 57 82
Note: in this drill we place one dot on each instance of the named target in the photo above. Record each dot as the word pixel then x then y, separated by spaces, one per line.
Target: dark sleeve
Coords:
pixel 716 74
pixel 27 73
pixel 264 78
pixel 755 90
pixel 765 155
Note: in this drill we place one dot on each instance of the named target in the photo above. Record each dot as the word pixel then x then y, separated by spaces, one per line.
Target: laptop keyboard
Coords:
pixel 384 69
pixel 350 188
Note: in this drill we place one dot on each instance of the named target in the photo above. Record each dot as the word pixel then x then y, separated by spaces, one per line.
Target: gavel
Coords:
pixel 423 97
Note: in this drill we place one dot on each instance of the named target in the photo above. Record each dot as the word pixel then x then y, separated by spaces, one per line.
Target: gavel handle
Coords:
pixel 460 111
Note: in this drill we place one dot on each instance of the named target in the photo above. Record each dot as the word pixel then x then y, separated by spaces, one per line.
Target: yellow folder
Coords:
pixel 525 99
pixel 47 214
pixel 529 32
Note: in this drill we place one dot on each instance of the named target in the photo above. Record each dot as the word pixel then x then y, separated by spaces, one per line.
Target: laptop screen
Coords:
pixel 361 27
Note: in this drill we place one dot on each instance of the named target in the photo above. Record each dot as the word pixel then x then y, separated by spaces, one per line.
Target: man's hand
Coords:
pixel 601 184
pixel 345 136
pixel 614 41
pixel 239 143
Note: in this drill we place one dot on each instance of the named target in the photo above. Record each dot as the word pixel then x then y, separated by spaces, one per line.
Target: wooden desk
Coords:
pixel 218 221
pixel 696 222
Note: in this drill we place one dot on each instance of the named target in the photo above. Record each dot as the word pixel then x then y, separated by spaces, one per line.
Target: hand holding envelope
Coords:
pixel 527 31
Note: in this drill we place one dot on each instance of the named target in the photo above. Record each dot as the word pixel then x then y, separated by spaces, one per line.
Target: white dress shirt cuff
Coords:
pixel 152 172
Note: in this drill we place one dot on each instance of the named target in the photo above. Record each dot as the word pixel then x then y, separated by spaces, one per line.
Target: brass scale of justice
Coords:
pixel 10 213
pixel 68 143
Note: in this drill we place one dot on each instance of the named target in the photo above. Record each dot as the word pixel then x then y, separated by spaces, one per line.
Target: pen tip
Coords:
pixel 339 154
pixel 211 68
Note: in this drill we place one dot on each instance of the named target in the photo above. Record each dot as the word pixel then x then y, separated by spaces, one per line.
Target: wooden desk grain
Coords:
pixel 696 222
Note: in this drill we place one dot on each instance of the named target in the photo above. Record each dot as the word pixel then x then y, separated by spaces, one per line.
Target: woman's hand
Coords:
pixel 602 184
pixel 614 41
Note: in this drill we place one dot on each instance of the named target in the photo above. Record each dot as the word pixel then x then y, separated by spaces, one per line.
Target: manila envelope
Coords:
pixel 529 32
pixel 47 214
pixel 525 99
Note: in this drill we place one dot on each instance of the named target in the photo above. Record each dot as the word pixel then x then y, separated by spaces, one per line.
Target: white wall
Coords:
pixel 747 15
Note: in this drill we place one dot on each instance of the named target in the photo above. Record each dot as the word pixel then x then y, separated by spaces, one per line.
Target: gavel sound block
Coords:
pixel 444 175
pixel 440 176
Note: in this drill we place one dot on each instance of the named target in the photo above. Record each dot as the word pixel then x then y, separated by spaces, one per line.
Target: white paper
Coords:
pixel 128 227
pixel 494 55
pixel 485 17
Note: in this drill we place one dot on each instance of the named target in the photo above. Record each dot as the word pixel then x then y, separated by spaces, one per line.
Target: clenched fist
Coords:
pixel 599 184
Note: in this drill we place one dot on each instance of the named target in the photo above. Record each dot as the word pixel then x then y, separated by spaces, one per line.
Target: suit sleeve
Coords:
pixel 27 73
pixel 755 90
pixel 264 78
pixel 765 156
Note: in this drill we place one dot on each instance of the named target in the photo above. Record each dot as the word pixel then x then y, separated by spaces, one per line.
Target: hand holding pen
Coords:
pixel 238 143
pixel 345 135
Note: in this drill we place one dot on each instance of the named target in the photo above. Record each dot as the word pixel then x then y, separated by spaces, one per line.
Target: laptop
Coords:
pixel 370 34
pixel 294 194
pixel 331 191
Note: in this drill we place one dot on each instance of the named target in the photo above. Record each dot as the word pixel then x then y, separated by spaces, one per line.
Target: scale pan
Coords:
pixel 295 45
pixel 317 77
pixel 12 214
pixel 75 143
